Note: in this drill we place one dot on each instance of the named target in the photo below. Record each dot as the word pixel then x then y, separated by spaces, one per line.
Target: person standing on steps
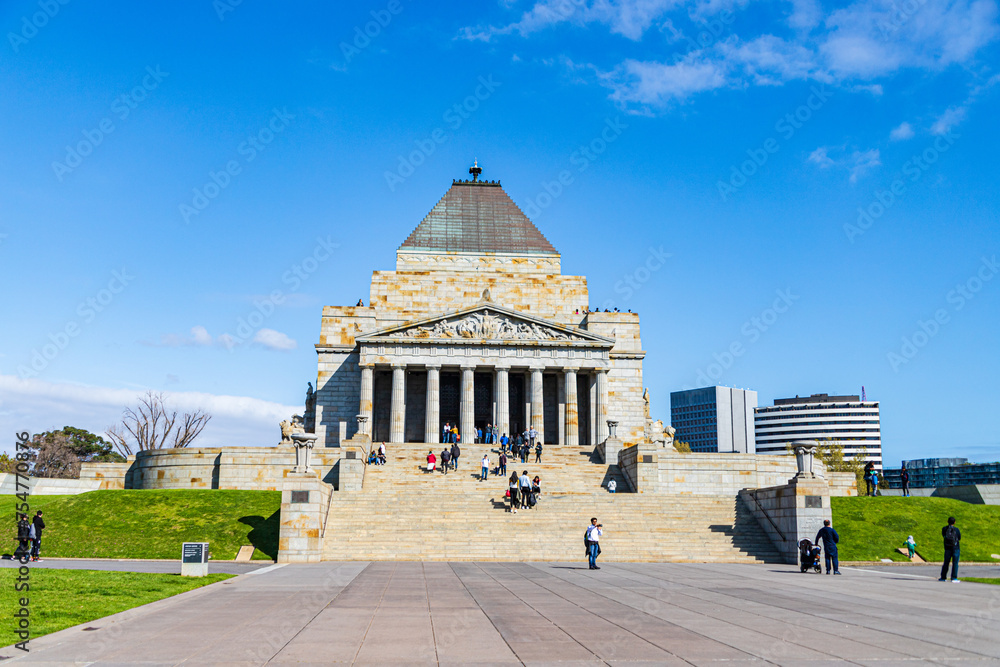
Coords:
pixel 445 459
pixel 502 464
pixel 512 487
pixel 525 482
pixel 952 540
pixel 592 539
pixel 538 452
pixel 488 434
pixel 455 453
pixel 532 434
pixel 830 539
pixel 446 433
pixel 486 468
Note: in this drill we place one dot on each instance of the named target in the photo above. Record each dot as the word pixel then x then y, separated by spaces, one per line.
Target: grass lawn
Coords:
pixel 60 599
pixel 872 528
pixel 981 580
pixel 152 524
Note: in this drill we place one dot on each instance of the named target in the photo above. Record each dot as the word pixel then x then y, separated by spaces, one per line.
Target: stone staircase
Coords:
pixel 406 513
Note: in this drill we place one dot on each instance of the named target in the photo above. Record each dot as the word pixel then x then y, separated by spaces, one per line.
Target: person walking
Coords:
pixel 504 441
pixel 952 540
pixel 538 452
pixel 479 435
pixel 612 486
pixel 445 460
pixel 875 491
pixel 24 532
pixel 592 539
pixel 486 467
pixel 525 482
pixel 512 486
pixel 830 539
pixel 502 464
pixel 36 545
pixel 454 434
pixel 446 433
pixel 455 453
pixel 904 477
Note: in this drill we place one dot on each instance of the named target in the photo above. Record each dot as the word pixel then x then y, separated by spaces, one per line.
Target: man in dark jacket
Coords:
pixel 455 453
pixel 23 550
pixel 37 545
pixel 830 538
pixel 952 538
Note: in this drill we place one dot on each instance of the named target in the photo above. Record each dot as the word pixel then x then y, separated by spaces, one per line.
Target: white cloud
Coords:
pixel 657 84
pixel 949 119
pixel 274 340
pixel 856 163
pixel 901 133
pixel 806 14
pixel 629 18
pixel 36 405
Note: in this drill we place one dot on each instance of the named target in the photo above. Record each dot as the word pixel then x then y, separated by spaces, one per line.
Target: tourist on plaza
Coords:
pixel 446 432
pixel 504 441
pixel 486 467
pixel 445 459
pixel 525 452
pixel 518 441
pixel 502 464
pixel 532 434
pixel 592 540
pixel 479 435
pixel 454 434
pixel 830 539
pixel 538 452
pixel 512 486
pixel 952 540
pixel 904 477
pixel 488 434
pixel 536 487
pixel 525 482
pixel 36 545
pixel 495 432
pixel 455 453
pixel 612 486
pixel 431 461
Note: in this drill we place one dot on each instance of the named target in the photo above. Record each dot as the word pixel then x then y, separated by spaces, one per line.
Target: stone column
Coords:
pixel 503 402
pixel 602 405
pixel 561 398
pixel 367 387
pixel 396 431
pixel 572 413
pixel 468 406
pixel 432 427
pixel 537 401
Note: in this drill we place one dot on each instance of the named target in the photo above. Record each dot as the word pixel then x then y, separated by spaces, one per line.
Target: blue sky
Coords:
pixel 170 170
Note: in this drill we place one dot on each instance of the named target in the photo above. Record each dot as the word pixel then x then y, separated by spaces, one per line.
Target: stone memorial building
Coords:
pixel 476 326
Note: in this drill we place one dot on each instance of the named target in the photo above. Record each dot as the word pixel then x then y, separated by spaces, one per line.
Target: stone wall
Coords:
pixel 727 474
pixel 338 395
pixel 790 512
pixel 44 486
pixel 640 466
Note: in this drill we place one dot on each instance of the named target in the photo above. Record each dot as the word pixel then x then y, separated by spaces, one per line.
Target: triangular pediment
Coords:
pixel 489 323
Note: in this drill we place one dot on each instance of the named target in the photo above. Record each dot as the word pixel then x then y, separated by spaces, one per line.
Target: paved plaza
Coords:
pixel 547 613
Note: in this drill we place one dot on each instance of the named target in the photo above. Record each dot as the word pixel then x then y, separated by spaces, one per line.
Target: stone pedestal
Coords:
pixel 304 501
pixel 351 475
pixel 641 467
pixel 609 450
pixel 790 512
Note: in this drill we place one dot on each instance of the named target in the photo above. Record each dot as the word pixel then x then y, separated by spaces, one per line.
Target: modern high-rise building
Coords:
pixel 714 419
pixel 931 473
pixel 846 420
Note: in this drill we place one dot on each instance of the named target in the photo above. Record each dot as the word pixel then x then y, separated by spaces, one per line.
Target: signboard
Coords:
pixel 300 496
pixel 194 559
pixel 814 501
pixel 194 552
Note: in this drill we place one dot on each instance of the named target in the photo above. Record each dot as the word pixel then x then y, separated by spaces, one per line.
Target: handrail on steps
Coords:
pixel 753 494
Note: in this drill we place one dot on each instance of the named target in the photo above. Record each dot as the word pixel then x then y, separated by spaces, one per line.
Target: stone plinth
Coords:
pixel 640 466
pixel 352 470
pixel 609 449
pixel 790 512
pixel 304 501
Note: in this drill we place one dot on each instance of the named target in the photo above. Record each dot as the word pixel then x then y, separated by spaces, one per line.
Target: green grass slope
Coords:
pixel 152 524
pixel 59 599
pixel 873 528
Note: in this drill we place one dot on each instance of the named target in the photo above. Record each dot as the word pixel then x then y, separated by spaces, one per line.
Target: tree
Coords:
pixel 682 447
pixel 7 463
pixel 60 453
pixel 151 425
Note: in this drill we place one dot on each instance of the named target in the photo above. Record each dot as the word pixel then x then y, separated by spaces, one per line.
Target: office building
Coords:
pixel 846 420
pixel 714 419
pixel 931 473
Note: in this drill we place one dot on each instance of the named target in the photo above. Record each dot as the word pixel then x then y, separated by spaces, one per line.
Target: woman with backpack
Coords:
pixel 512 486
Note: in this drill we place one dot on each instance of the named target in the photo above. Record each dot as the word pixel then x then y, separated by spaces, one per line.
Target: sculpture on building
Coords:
pixel 655 432
pixel 487 326
pixel 291 428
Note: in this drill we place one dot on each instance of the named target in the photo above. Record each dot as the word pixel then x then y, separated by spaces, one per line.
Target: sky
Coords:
pixel 796 196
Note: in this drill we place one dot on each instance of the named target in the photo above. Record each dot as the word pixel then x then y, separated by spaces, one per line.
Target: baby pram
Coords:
pixel 809 556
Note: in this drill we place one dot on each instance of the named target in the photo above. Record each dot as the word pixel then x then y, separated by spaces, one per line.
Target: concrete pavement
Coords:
pixel 547 613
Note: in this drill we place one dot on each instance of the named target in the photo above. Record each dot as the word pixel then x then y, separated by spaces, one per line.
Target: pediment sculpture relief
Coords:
pixel 487 326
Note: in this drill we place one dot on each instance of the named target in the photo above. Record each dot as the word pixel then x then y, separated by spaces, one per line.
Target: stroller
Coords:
pixel 809 556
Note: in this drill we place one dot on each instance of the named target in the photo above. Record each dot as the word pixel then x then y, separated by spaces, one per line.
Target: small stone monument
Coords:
pixel 303 442
pixel 194 559
pixel 805 451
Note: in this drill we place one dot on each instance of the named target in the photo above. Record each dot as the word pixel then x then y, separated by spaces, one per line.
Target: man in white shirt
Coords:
pixel 592 539
pixel 525 484
pixel 532 434
pixel 486 468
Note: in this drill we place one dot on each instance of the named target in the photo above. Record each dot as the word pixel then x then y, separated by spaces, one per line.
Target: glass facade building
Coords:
pixel 714 419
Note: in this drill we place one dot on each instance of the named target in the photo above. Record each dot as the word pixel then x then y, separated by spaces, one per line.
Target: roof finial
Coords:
pixel 475 170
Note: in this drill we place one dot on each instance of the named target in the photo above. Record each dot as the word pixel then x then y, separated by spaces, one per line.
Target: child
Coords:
pixel 911 546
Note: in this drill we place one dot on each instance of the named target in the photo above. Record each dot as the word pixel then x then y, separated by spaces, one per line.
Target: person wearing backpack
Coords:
pixel 456 451
pixel 952 539
pixel 538 452
pixel 24 539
